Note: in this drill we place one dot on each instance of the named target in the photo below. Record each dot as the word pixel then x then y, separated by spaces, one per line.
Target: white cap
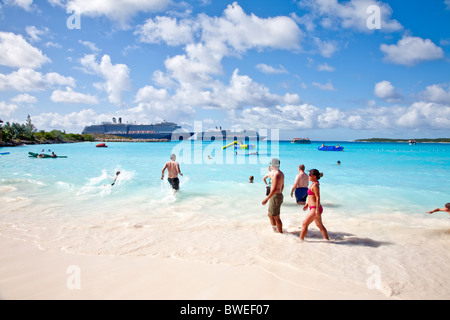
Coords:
pixel 275 162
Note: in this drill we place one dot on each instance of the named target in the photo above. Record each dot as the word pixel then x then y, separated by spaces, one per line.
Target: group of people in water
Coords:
pixel 42 155
pixel 305 194
pixel 274 180
pixel 309 197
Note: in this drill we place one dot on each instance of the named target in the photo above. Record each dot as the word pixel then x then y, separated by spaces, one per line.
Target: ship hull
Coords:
pixel 168 131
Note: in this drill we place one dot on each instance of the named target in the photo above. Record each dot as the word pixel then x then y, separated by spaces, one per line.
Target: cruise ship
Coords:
pixel 162 130
pixel 168 130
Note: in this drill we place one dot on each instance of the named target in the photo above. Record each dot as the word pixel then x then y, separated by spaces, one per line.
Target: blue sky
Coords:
pixel 326 69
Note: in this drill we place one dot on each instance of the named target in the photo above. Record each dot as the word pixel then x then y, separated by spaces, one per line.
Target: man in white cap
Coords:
pixel 275 196
pixel 173 169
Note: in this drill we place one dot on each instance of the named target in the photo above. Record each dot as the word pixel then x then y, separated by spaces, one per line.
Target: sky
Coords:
pixel 323 69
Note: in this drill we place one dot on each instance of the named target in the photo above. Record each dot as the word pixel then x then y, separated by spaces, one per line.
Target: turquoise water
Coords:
pixel 374 207
pixel 398 176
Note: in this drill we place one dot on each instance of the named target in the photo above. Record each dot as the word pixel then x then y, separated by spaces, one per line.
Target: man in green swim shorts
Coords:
pixel 275 196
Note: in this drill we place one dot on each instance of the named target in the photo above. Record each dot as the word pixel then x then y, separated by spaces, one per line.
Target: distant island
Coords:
pixel 438 140
pixel 16 134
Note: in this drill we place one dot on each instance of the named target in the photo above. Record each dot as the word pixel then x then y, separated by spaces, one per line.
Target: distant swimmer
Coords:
pixel 251 179
pixel 300 187
pixel 173 169
pixel 445 209
pixel 275 196
pixel 115 179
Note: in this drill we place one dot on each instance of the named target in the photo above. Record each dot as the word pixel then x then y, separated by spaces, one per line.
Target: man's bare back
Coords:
pixel 278 181
pixel 173 168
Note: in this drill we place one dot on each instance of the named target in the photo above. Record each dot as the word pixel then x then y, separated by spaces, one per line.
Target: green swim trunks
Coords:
pixel 275 204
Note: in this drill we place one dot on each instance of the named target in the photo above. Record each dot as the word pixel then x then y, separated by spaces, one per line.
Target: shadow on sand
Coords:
pixel 340 238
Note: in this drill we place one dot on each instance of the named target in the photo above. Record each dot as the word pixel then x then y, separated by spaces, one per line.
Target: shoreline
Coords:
pixel 30 143
pixel 27 272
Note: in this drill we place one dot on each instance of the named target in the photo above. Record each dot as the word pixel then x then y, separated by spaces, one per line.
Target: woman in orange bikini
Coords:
pixel 315 208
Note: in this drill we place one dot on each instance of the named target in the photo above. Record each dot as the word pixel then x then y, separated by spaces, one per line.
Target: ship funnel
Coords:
pixel 114 120
pixel 120 120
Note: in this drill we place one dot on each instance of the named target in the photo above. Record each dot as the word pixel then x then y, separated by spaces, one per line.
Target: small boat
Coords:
pixel 43 155
pixel 101 145
pixel 412 142
pixel 330 148
pixel 4 153
pixel 245 146
pixel 301 141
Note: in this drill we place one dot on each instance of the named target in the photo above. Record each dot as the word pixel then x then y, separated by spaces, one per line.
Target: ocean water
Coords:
pixel 374 209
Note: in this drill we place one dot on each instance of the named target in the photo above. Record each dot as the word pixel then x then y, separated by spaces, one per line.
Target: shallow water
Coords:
pixel 374 209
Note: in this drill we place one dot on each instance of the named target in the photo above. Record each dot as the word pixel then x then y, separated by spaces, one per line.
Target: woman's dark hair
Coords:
pixel 316 173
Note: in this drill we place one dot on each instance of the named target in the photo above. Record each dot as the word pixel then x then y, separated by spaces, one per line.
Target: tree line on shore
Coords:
pixel 18 134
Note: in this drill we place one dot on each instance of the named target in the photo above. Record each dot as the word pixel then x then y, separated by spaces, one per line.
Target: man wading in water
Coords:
pixel 173 169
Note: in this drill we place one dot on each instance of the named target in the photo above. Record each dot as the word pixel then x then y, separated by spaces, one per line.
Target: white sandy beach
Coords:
pixel 27 272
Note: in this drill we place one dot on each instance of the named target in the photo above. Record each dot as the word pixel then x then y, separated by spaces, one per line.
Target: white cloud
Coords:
pixel 90 45
pixel 264 68
pixel 53 44
pixel 117 78
pixel 240 93
pixel 425 114
pixel 386 91
pixel 70 96
pixel 27 5
pixel 348 15
pixel 243 91
pixel 331 118
pixel 24 98
pixel 327 86
pixel 325 67
pixel 410 51
pixel 166 29
pixel 149 94
pixel 325 48
pixel 120 11
pixel 209 39
pixel 16 52
pixel 436 93
pixel 419 115
pixel 7 109
pixel 241 32
pixel 34 33
pixel 30 80
pixel 72 122
pixel 196 66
